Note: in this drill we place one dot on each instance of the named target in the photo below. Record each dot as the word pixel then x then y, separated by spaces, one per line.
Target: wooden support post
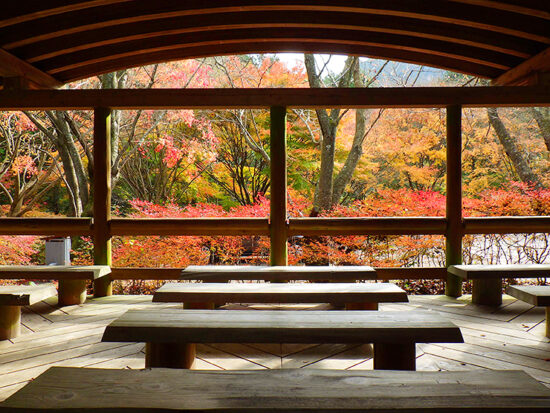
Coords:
pixel 10 321
pixel 278 230
pixel 487 291
pixel 170 355
pixel 548 322
pixel 71 292
pixel 453 235
pixel 199 306
pixel 102 197
pixel 361 306
pixel 395 356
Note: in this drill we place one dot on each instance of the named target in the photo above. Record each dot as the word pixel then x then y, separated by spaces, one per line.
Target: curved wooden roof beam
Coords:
pixel 521 73
pixel 230 47
pixel 342 21
pixel 527 7
pixel 427 47
pixel 18 12
pixel 499 21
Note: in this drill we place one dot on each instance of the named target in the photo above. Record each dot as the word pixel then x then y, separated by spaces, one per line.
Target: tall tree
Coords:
pixel 512 149
pixel 331 187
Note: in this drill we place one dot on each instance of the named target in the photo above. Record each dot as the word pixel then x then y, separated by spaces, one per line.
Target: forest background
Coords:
pixel 205 163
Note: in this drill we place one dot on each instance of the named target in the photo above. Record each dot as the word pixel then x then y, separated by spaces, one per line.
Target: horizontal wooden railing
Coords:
pixel 45 226
pixel 329 226
pixel 189 226
pixel 367 226
pixel 506 225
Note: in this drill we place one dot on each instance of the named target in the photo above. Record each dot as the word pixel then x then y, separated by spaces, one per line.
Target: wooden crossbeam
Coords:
pixel 421 97
pixel 518 74
pixel 12 66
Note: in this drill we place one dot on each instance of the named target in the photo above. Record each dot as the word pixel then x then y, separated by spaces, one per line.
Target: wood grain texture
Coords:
pixel 19 295
pixel 337 293
pixel 244 272
pixel 428 97
pixel 83 39
pixel 54 272
pixel 538 295
pixel 62 389
pixel 251 326
pixel 472 272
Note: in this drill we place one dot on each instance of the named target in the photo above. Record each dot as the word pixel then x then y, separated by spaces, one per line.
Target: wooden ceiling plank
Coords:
pixel 39 10
pixel 404 27
pixel 434 11
pixel 273 47
pixel 205 39
pixel 11 66
pixel 521 7
pixel 127 99
pixel 538 63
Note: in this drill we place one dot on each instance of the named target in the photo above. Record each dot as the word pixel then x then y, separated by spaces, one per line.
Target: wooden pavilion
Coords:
pixel 49 43
pixel 46 44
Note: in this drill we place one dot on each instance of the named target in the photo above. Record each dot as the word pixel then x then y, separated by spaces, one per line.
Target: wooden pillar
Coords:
pixel 10 321
pixel 278 204
pixel 389 356
pixel 170 355
pixel 102 197
pixel 548 322
pixel 453 236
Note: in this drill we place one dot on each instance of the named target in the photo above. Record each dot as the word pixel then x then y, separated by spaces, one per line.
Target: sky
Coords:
pixel 427 77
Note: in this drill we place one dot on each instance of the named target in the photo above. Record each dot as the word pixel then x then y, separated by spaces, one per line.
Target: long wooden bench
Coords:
pixel 72 279
pixel 12 298
pixel 87 390
pixel 538 295
pixel 487 279
pixel 355 296
pixel 171 334
pixel 223 273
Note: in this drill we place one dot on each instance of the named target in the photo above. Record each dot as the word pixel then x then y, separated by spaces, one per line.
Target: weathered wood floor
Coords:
pixel 510 337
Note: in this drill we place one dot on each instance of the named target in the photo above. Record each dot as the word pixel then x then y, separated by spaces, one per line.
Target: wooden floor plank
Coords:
pixel 254 355
pixel 509 337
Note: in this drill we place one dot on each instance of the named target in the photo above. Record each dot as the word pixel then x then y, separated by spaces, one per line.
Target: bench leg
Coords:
pixel 10 321
pixel 548 322
pixel 199 306
pixel 170 355
pixel 362 306
pixel 71 292
pixel 395 356
pixel 487 292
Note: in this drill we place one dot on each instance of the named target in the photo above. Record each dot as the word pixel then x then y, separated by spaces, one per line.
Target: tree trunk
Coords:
pixel 511 148
pixel 344 176
pixel 329 124
pixel 542 117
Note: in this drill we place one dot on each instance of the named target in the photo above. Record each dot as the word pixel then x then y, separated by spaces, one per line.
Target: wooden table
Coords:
pixel 538 295
pixel 12 298
pixel 487 279
pixel 171 334
pixel 221 273
pixel 355 296
pixel 89 390
pixel 72 278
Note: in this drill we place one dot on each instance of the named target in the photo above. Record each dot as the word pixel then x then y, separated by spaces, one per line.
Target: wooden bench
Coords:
pixel 87 390
pixel 487 279
pixel 538 295
pixel 223 273
pixel 171 334
pixel 12 298
pixel 355 296
pixel 72 279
